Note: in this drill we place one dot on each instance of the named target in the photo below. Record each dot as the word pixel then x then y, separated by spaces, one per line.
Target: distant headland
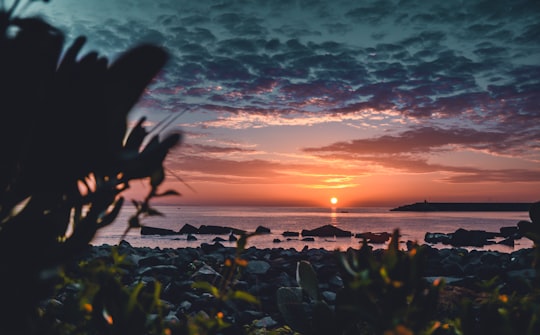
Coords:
pixel 464 207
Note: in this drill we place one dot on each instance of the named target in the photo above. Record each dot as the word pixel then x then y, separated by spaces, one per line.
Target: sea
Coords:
pixel 412 226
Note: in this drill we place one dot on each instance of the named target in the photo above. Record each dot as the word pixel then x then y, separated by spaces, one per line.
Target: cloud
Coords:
pixel 420 140
pixel 202 167
pixel 430 77
pixel 500 176
pixel 409 151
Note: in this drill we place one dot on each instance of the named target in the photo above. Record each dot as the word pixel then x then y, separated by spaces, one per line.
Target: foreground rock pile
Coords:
pixel 269 269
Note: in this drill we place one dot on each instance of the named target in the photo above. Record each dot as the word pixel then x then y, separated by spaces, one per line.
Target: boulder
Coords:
pixel 188 229
pixel 262 230
pixel 509 231
pixel 219 230
pixel 291 234
pixel 326 231
pixel 375 238
pixel 437 238
pixel 145 230
pixel 472 238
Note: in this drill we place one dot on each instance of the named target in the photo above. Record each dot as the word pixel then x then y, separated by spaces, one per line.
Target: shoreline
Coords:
pixel 271 268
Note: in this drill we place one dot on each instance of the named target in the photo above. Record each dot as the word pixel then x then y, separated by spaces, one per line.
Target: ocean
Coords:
pixel 412 225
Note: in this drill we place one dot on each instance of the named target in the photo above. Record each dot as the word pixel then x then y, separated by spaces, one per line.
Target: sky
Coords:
pixel 378 103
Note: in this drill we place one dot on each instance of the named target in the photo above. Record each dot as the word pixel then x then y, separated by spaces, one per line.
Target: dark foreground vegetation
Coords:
pixel 65 165
pixel 214 289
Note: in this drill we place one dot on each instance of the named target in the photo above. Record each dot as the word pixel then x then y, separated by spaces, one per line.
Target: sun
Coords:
pixel 333 200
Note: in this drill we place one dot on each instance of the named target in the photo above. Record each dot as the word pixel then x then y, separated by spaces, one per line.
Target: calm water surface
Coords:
pixel 412 225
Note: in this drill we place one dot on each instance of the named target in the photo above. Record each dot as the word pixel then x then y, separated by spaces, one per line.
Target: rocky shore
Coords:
pixel 266 270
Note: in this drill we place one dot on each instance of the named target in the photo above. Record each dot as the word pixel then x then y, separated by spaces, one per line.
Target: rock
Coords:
pixel 509 231
pixel 376 238
pixel 145 230
pixel 434 238
pixel 188 229
pixel 159 271
pixel 266 322
pixel 508 242
pixel 291 234
pixel 329 296
pixel 207 273
pixel 262 230
pixel 210 248
pixel 269 269
pixel 257 267
pixel 473 238
pixel 219 230
pixel 326 231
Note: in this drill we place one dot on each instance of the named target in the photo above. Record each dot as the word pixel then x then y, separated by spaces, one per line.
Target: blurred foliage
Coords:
pixel 225 295
pixel 501 311
pixel 499 314
pixel 385 292
pixel 98 297
pixel 382 293
pixel 65 155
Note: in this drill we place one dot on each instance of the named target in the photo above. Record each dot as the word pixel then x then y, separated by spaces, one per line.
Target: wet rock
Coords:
pixel 257 267
pixel 375 238
pixel 219 230
pixel 326 231
pixel 472 238
pixel 188 229
pixel 435 238
pixel 206 273
pixel 145 230
pixel 291 234
pixel 509 231
pixel 262 230
pixel 269 269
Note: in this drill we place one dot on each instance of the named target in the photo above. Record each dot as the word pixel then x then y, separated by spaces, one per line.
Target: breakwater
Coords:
pixel 464 207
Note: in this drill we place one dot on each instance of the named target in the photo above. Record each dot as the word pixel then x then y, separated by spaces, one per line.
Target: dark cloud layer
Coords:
pixel 418 58
pixel 421 140
pixel 457 75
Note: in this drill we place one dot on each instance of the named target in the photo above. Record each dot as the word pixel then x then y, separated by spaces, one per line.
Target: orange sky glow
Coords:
pixel 292 103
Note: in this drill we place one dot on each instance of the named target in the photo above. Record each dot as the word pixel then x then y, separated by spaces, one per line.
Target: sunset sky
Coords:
pixel 378 103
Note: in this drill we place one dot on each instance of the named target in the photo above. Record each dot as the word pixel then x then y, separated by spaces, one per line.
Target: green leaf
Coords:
pixel 133 297
pixel 245 296
pixel 207 287
pixel 307 279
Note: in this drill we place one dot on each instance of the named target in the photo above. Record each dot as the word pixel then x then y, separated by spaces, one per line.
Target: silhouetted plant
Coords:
pixel 494 312
pixel 382 293
pixel 65 160
pixel 224 293
pixel 100 298
pixel 502 312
